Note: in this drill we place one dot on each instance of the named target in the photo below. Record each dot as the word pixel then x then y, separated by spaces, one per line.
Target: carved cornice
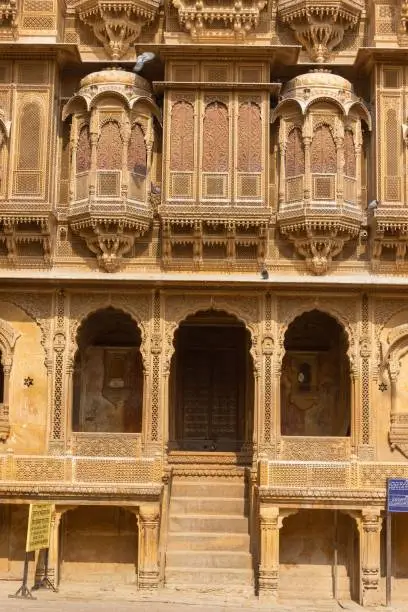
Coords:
pixel 320 25
pixel 326 496
pixel 116 23
pixel 229 19
pixel 59 492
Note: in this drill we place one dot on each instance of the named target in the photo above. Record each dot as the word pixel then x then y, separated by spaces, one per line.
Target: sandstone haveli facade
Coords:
pixel 203 291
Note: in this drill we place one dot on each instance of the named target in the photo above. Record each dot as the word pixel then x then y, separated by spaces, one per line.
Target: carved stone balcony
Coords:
pixel 8 19
pixel 228 19
pixel 116 23
pixel 320 193
pixel 111 140
pixel 320 25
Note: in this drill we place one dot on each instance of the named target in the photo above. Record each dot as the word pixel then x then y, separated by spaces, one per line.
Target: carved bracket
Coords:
pixel 110 240
pixel 319 241
pixel 14 237
pixel 320 26
pixel 116 23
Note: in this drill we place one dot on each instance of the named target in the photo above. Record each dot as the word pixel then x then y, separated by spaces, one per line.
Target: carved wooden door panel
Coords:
pixel 209 397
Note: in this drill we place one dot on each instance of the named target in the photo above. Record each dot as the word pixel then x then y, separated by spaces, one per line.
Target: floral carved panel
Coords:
pixel 323 152
pixel 216 138
pixel 110 147
pixel 295 154
pixel 249 138
pixel 182 137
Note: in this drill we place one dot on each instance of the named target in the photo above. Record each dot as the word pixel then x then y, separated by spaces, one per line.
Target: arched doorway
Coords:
pixel 211 384
pixel 315 381
pixel 108 374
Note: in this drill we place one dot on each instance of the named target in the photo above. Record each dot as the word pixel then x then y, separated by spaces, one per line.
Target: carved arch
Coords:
pixel 325 309
pixel 101 304
pixel 8 339
pixel 178 312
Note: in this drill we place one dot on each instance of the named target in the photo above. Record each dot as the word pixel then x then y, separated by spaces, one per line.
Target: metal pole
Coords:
pixel 388 559
pixel 335 553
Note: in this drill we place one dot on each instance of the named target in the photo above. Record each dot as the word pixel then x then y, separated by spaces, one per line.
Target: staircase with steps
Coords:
pixel 208 538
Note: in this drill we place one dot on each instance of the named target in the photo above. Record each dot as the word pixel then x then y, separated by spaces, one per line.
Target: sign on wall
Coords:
pixel 39 527
pixel 397 498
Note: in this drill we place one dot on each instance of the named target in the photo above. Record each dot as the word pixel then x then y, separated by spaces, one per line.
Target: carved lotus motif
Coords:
pixel 320 26
pixel 117 23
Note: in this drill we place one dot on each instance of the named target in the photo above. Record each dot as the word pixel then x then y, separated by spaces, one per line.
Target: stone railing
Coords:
pixel 72 470
pixel 329 474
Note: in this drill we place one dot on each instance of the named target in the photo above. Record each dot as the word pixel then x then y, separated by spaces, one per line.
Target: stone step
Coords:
pixel 214 505
pixel 207 523
pixel 209 559
pixel 204 576
pixel 209 541
pixel 207 488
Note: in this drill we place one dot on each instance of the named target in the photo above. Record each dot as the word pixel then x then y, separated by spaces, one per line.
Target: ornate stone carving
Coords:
pixel 319 187
pixel 8 19
pixel 110 203
pixel 116 23
pixel 230 20
pixel 320 26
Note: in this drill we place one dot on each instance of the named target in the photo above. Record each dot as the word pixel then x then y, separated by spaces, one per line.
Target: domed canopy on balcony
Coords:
pixel 321 85
pixel 128 87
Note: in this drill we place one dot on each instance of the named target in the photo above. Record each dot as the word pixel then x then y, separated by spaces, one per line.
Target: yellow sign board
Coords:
pixel 39 527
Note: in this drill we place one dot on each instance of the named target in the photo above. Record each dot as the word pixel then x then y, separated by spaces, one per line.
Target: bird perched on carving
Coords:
pixel 372 205
pixel 143 59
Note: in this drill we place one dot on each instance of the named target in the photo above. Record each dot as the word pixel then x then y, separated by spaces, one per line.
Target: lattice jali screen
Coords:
pixel 249 185
pixel 28 179
pixel 114 470
pixel 39 15
pixel 294 189
pixel 27 183
pixel 316 474
pixel 392 188
pixel 215 185
pixel 385 19
pixel 216 73
pixel 38 469
pixel 106 445
pixel 324 186
pixel 108 183
pixel 181 185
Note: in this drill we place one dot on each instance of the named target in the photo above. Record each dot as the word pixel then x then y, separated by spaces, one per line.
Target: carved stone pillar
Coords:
pixel 269 552
pixel 154 420
pixel 370 530
pixel 148 554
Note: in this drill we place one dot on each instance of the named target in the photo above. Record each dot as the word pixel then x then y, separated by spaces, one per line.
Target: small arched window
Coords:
pixel 137 154
pixel 83 154
pixel 216 138
pixel 182 137
pixel 249 138
pixel 323 152
pixel 29 137
pixel 349 155
pixel 110 147
pixel 295 154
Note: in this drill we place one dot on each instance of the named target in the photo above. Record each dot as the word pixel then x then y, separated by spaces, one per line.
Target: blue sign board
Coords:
pixel 397 495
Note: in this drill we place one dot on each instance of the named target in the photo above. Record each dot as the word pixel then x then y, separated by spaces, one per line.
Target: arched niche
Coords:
pixel 108 374
pixel 211 384
pixel 315 378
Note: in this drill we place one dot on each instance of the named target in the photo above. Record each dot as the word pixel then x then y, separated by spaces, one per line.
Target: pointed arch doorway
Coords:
pixel 211 385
